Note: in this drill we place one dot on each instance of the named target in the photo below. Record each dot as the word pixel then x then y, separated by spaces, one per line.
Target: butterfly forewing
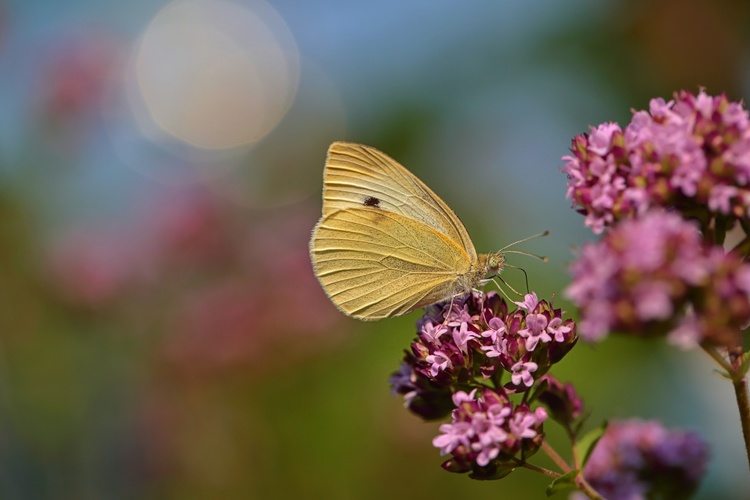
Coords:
pixel 357 176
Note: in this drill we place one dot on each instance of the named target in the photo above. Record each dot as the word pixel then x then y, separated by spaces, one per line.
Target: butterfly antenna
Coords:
pixel 527 254
pixel 519 252
pixel 540 235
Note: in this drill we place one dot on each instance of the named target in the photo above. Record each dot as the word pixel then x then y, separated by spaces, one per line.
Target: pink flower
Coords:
pixel 490 343
pixel 557 330
pixel 535 331
pixel 453 435
pixel 499 348
pixel 521 372
pixel 431 332
pixel 481 430
pixel 686 153
pixel 460 397
pixel 462 335
pixel 495 329
pixel 526 424
pixel 439 362
pixel 639 459
pixel 644 275
pixel 529 303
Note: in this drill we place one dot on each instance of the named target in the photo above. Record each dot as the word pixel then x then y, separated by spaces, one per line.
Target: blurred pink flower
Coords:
pixel 257 291
pixel 192 228
pixel 226 287
pixel 91 270
pixel 218 325
pixel 75 75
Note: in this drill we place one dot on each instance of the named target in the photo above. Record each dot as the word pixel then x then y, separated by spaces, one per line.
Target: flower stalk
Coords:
pixel 559 461
pixel 743 404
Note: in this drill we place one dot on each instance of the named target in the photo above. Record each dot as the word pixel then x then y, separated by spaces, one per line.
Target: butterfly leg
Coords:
pixel 447 312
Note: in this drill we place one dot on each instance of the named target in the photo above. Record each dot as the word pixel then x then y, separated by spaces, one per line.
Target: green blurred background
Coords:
pixel 161 332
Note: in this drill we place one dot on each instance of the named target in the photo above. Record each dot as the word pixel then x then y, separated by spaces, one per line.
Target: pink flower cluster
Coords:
pixel 475 336
pixel 642 459
pixel 473 343
pixel 487 430
pixel 655 274
pixel 691 153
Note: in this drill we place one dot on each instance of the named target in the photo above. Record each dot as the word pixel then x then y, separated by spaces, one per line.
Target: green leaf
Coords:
pixel 723 374
pixel 581 421
pixel 562 483
pixel 586 444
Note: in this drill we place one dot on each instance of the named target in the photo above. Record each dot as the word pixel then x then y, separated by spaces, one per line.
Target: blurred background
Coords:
pixel 161 332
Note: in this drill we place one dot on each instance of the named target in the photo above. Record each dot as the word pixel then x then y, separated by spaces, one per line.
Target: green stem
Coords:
pixel 581 482
pixel 541 470
pixel 739 382
pixel 740 392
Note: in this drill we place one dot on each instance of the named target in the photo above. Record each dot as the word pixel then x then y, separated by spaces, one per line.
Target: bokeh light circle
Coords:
pixel 215 74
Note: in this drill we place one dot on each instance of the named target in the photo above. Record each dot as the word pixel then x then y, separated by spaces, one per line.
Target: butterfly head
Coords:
pixel 493 264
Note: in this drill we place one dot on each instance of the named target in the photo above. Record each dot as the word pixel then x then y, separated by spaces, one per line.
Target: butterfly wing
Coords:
pixel 376 263
pixel 357 175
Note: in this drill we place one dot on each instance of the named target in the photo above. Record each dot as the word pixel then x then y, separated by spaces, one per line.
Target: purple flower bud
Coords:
pixel 421 395
pixel 562 400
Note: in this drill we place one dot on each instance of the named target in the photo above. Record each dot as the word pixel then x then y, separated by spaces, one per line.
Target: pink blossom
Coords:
pixel 453 435
pixel 521 372
pixel 522 424
pixel 439 361
pixel 645 273
pixel 557 329
pixel 496 328
pixel 535 331
pixel 529 303
pixel 431 332
pixel 462 335
pixel 661 158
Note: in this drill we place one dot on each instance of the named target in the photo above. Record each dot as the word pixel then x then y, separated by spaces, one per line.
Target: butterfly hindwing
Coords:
pixel 374 263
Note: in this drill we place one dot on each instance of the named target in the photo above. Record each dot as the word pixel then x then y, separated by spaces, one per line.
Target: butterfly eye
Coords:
pixel 494 263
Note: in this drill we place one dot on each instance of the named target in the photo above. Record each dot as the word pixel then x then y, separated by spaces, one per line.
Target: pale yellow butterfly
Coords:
pixel 386 244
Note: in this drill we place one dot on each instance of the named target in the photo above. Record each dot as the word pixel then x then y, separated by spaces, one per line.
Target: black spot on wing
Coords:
pixel 371 201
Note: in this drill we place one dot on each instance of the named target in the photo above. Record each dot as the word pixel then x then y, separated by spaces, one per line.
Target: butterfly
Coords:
pixel 386 244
